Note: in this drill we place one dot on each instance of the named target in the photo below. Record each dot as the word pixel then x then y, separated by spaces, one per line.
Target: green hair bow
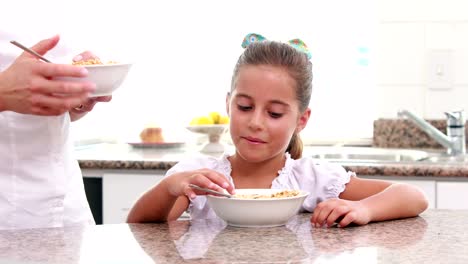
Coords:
pixel 296 43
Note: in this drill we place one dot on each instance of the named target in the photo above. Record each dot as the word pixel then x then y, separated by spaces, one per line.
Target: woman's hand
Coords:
pixel 91 102
pixel 178 183
pixel 28 85
pixel 340 211
pixel 82 109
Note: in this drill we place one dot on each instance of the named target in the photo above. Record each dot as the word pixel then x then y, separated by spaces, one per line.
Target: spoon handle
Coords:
pixel 19 45
pixel 209 191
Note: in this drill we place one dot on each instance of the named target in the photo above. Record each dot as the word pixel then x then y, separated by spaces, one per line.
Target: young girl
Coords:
pixel 268 106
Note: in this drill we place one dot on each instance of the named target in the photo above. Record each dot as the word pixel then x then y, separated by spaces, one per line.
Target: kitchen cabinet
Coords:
pixel 452 195
pixel 121 190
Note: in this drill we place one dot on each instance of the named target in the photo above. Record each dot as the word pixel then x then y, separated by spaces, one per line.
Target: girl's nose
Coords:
pixel 256 120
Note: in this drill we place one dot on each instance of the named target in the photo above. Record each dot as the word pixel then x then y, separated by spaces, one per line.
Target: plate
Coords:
pixel 157 145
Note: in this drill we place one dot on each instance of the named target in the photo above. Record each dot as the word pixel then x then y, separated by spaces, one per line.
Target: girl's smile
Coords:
pixel 255 141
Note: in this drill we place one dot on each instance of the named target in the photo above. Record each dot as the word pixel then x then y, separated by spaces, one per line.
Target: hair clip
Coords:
pixel 251 38
pixel 301 46
pixel 296 43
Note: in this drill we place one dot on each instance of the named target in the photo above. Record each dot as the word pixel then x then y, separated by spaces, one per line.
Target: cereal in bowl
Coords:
pixel 91 62
pixel 280 194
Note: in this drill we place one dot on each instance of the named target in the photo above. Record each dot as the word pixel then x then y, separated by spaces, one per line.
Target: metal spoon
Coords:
pixel 209 191
pixel 19 45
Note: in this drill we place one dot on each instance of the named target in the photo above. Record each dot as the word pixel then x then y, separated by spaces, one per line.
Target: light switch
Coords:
pixel 439 70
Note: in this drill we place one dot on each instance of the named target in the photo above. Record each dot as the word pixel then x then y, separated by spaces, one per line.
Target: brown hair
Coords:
pixel 295 62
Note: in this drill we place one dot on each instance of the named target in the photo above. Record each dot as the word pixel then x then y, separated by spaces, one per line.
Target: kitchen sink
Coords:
pixel 444 158
pixel 366 154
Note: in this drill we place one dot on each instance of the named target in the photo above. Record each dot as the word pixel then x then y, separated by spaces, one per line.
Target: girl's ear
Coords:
pixel 303 119
pixel 228 99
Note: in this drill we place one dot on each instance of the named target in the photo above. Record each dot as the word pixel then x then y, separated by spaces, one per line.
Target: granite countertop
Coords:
pixel 125 157
pixel 437 236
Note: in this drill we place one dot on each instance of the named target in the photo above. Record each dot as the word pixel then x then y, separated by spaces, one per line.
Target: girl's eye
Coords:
pixel 244 108
pixel 275 115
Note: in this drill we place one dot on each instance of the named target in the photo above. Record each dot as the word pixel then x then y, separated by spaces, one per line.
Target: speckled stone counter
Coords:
pixel 437 236
pixel 124 157
pixel 399 133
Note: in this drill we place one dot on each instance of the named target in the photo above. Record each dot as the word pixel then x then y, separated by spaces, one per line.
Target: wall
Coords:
pixel 407 32
pixel 169 83
pixel 184 59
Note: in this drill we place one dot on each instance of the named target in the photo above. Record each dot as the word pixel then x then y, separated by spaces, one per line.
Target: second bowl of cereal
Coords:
pixel 258 207
pixel 108 76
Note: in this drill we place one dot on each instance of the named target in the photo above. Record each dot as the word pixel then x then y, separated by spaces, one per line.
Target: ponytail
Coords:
pixel 295 147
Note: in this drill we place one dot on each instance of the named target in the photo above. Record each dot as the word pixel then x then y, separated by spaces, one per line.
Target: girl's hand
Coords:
pixel 340 211
pixel 179 182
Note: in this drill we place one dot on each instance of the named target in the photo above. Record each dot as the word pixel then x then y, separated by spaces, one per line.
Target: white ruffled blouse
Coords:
pixel 321 179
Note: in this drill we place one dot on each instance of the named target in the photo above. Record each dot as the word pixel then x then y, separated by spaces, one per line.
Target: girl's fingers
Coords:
pixel 335 211
pixel 211 180
pixel 201 180
pixel 224 185
pixel 189 192
pixel 347 219
pixel 335 214
pixel 218 181
pixel 316 214
pixel 193 192
pixel 320 216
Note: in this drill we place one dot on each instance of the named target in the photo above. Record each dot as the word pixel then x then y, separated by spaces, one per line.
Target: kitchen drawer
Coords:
pixel 120 192
pixel 452 195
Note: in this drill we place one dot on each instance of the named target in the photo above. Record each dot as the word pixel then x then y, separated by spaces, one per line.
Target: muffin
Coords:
pixel 152 135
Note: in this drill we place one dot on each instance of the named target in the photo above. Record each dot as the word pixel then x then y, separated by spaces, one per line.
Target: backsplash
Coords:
pixel 397 133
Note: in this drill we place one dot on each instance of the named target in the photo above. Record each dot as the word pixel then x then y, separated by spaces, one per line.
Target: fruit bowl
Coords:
pixel 214 133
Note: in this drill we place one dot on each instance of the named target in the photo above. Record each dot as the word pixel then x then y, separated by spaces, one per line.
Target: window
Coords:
pixel 184 53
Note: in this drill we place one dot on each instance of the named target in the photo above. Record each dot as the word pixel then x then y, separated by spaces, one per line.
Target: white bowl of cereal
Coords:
pixel 107 76
pixel 258 207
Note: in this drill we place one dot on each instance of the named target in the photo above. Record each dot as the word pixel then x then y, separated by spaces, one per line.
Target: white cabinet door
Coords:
pixel 452 195
pixel 428 187
pixel 120 192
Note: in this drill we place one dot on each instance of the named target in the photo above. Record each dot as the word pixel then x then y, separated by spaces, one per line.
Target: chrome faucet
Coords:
pixel 454 141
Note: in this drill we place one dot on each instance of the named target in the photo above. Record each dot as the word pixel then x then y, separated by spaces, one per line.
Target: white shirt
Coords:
pixel 321 179
pixel 41 184
pixel 40 181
